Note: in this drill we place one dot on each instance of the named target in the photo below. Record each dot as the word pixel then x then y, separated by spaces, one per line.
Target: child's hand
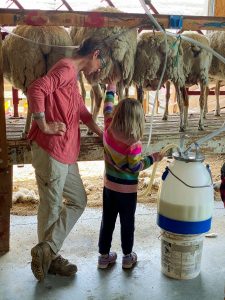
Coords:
pixel 112 81
pixel 157 156
pixel 111 87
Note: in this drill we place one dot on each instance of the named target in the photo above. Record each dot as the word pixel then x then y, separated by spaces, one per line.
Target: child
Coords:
pixel 123 161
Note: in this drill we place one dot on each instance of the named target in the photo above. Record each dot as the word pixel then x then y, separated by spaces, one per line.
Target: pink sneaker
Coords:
pixel 129 260
pixel 105 261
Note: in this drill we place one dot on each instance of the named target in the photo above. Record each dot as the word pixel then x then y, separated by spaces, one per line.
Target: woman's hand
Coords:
pixel 57 128
pixel 54 128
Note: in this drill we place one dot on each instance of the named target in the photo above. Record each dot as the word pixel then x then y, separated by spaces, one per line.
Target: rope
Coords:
pixel 34 42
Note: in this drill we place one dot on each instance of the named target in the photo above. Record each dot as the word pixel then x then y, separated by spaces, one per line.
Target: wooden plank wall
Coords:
pixel 164 132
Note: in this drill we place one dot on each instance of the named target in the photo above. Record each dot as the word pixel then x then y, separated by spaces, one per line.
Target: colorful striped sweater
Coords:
pixel 123 162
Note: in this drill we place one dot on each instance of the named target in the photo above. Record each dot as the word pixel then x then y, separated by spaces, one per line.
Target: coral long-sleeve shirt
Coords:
pixel 57 94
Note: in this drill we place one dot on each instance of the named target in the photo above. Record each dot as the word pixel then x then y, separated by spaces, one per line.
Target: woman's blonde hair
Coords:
pixel 128 118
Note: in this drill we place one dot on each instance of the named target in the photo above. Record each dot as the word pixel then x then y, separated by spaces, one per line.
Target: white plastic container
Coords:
pixel 181 255
pixel 186 198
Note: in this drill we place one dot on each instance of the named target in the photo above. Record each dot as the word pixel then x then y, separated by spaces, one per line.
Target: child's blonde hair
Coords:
pixel 128 118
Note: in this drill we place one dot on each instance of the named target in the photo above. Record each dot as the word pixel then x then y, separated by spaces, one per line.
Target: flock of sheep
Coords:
pixel 135 59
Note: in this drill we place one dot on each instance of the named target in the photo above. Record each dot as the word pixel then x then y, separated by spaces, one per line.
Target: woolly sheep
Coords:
pixel 24 61
pixel 187 64
pixel 217 68
pixel 196 63
pixel 120 64
pixel 150 59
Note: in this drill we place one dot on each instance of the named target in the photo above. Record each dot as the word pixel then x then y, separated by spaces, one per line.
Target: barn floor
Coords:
pixel 144 282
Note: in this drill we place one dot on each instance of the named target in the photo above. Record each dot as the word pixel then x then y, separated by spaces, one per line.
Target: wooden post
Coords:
pixel 219 8
pixel 5 172
pixel 15 102
pixel 5 205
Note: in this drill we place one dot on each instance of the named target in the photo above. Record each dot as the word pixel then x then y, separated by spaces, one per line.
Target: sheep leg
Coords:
pixel 166 112
pixel 180 102
pixel 140 93
pixel 205 110
pixel 83 91
pixel 92 97
pixel 97 99
pixel 120 88
pixel 202 98
pixel 126 92
pixel 157 104
pixel 217 92
pixel 186 104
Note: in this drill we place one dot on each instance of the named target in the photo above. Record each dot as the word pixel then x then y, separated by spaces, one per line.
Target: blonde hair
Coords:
pixel 128 118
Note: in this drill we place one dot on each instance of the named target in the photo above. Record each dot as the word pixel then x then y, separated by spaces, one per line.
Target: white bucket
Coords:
pixel 181 255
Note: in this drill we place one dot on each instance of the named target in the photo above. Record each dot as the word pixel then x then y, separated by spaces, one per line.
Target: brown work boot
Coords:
pixel 41 260
pixel 62 267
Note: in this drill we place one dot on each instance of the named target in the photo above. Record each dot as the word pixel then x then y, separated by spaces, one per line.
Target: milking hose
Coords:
pixel 155 165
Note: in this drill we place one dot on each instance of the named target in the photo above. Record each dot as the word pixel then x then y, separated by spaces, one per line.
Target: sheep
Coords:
pixel 149 62
pixel 187 64
pixel 120 64
pixel 217 68
pixel 197 62
pixel 24 61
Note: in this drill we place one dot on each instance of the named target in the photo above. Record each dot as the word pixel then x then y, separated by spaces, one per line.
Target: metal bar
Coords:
pixel 110 3
pixel 197 93
pixel 15 102
pixel 18 4
pixel 152 7
pixel 67 5
pixel 204 139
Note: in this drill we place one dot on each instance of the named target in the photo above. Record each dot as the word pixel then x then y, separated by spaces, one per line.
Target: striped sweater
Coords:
pixel 123 162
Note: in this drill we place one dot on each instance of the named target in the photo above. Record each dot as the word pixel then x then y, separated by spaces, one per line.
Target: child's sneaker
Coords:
pixel 105 260
pixel 129 260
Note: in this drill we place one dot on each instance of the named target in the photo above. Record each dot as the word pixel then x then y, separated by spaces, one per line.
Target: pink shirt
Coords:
pixel 57 94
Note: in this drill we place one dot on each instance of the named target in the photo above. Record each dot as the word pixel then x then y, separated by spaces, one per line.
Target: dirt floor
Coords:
pixel 25 194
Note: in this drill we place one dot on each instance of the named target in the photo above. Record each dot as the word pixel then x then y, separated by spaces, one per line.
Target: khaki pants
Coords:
pixel 56 181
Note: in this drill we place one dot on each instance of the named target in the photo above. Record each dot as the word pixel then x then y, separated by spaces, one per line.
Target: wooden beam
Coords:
pixel 3 143
pixel 219 8
pixel 5 171
pixel 5 205
pixel 14 17
pixel 164 132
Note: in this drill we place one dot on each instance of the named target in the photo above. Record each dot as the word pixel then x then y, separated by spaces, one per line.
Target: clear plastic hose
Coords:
pixel 155 165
